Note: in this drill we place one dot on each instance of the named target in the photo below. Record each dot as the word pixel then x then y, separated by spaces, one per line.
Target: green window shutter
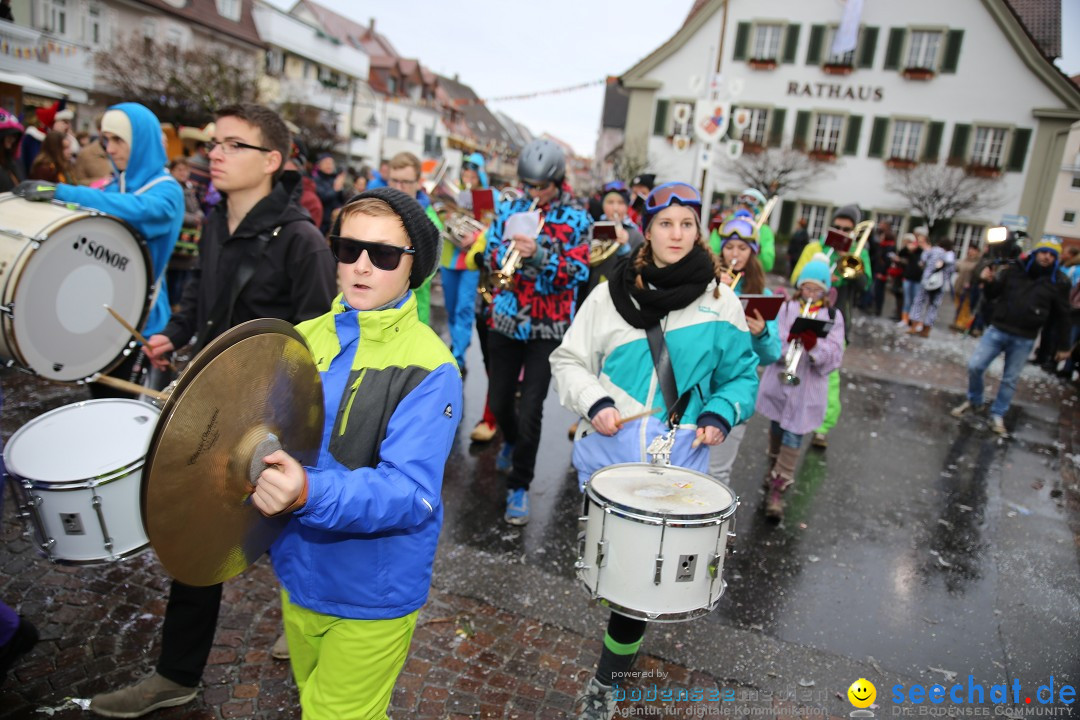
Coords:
pixel 851 140
pixel 894 48
pixel 1018 152
pixel 791 43
pixel 817 39
pixel 787 217
pixel 877 137
pixel 802 127
pixel 952 51
pixel 933 141
pixel 776 128
pixel 868 47
pixel 958 149
pixel 660 121
pixel 742 40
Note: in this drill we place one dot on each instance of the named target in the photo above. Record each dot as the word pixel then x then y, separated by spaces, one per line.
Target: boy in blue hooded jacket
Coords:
pixel 142 192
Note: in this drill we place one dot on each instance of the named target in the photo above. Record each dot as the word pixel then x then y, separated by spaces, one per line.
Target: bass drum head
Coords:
pixel 662 491
pixel 61 328
pixel 81 442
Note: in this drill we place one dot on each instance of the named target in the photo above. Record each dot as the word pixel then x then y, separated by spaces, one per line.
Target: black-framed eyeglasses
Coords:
pixel 383 256
pixel 231 147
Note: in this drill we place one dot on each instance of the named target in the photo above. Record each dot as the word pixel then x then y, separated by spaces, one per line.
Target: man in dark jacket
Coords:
pixel 261 235
pixel 1025 295
pixel 330 186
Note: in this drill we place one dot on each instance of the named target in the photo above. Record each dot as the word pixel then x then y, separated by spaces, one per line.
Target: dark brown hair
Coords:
pixel 52 151
pixel 275 135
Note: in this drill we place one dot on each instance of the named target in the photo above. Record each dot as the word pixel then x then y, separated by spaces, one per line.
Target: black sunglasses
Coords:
pixel 536 186
pixel 381 255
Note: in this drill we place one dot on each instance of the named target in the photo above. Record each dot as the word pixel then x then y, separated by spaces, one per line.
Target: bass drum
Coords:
pixel 60 265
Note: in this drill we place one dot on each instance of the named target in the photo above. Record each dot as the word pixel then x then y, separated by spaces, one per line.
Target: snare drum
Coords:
pixel 59 266
pixel 77 471
pixel 654 540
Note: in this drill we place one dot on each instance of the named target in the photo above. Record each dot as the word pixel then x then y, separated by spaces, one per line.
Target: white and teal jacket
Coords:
pixel 603 360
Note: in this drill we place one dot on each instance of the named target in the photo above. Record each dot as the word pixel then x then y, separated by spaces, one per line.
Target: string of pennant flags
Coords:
pixel 39 52
pixel 463 102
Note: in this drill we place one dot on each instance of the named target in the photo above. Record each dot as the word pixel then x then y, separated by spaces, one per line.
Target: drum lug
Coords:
pixel 96 503
pixel 8 310
pixel 714 565
pixel 659 567
pixel 601 553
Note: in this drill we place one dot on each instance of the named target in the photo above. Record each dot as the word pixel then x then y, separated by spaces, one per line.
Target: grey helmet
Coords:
pixel 541 161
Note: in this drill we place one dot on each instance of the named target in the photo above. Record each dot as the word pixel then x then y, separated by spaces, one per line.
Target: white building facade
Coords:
pixel 956 83
pixel 1063 219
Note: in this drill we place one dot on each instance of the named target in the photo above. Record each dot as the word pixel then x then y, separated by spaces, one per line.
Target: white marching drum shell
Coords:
pixel 79 471
pixel 59 266
pixel 654 540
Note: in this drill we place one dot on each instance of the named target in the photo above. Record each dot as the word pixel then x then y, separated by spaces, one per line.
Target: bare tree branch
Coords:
pixel 777 171
pixel 185 87
pixel 940 192
pixel 318 127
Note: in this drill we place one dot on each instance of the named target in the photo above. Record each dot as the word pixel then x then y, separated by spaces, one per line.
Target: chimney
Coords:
pixel 455 77
pixel 371 29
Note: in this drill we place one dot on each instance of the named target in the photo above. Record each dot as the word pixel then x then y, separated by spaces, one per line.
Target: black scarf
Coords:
pixel 666 289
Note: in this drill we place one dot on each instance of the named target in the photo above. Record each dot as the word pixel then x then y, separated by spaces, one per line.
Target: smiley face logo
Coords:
pixel 862 693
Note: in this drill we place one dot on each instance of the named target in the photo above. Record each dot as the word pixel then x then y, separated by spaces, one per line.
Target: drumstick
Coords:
pixel 137 335
pixel 638 416
pixel 131 387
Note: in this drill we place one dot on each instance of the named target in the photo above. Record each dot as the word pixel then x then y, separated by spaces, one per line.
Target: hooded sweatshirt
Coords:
pixel 146 196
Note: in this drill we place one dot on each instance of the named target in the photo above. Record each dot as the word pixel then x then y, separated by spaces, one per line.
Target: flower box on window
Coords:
pixel 918 73
pixel 837 68
pixel 762 64
pixel 822 155
pixel 901 163
pixel 752 148
pixel 984 171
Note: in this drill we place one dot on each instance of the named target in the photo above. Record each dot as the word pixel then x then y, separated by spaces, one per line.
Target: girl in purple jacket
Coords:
pixel 796 409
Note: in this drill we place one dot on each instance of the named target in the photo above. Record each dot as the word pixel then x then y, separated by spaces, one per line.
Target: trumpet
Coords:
pixel 503 278
pixel 510 194
pixel 850 265
pixel 733 274
pixel 766 211
pixel 793 356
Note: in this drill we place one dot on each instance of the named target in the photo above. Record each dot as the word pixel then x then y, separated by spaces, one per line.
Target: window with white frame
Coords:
pixel 989 146
pixel 56 16
pixel 95 26
pixel 827 133
pixel 923 49
pixel 393 127
pixel 967 235
pixel 755 132
pixel 895 221
pixel 411 131
pixel 847 58
pixel 816 217
pixel 767 41
pixel 907 135
pixel 1076 182
pixel 229 9
pixel 1069 217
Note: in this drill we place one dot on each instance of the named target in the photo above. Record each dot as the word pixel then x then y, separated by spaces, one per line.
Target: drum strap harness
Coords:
pixel 665 375
pixel 221 314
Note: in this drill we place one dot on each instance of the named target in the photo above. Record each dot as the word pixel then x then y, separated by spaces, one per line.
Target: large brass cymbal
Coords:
pixel 251 390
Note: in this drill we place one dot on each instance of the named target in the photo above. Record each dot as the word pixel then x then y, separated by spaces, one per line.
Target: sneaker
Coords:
pixel 280 651
pixel 597 702
pixel 820 440
pixel 22 641
pixel 902 324
pixel 517 507
pixel 145 696
pixel 482 432
pixel 504 462
pixel 964 408
pixel 997 425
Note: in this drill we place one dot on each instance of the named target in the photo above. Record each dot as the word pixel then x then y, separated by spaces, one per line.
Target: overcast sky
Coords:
pixel 501 48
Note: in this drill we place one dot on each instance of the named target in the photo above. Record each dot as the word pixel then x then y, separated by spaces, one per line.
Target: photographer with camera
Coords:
pixel 1024 294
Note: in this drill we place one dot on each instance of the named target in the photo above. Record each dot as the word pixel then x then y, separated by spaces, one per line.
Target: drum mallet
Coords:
pixel 136 334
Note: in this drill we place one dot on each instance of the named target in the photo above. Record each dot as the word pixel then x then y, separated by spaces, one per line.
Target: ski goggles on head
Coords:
pixel 672 192
pixel 383 256
pixel 739 229
pixel 470 166
pixel 616 186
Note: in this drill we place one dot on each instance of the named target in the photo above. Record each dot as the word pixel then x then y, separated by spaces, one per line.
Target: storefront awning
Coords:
pixel 36 86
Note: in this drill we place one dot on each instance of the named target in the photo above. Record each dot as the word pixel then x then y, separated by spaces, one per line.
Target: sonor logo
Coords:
pixel 103 254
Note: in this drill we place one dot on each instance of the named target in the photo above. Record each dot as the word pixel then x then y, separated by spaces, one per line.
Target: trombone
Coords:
pixel 766 211
pixel 850 265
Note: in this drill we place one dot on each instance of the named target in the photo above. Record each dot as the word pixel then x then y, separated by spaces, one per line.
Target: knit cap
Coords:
pixel 816 271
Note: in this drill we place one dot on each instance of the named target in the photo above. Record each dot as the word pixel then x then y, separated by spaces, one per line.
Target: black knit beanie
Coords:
pixel 418 226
